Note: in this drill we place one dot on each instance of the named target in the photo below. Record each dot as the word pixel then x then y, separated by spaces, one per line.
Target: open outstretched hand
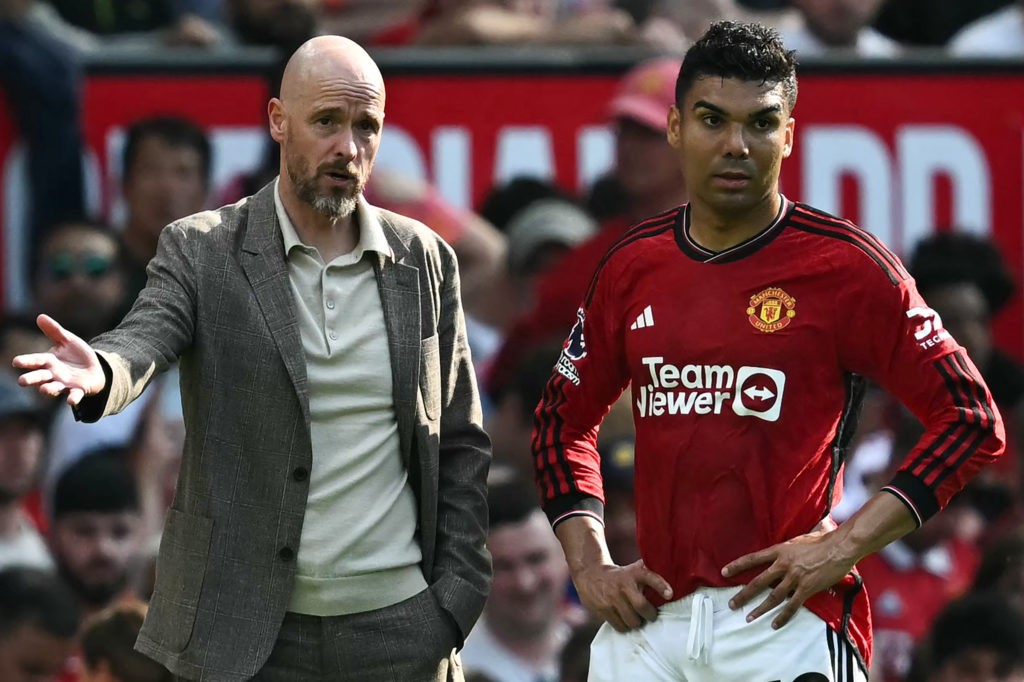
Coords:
pixel 70 365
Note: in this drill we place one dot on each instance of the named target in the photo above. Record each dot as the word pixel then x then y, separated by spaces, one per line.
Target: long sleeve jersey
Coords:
pixel 745 367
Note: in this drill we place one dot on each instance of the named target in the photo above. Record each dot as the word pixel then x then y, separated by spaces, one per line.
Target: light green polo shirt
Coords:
pixel 358 550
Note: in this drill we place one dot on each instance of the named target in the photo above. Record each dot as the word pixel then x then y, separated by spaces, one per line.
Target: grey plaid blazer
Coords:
pixel 218 297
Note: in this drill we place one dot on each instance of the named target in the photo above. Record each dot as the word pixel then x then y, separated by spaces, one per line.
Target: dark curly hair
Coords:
pixel 749 52
pixel 957 256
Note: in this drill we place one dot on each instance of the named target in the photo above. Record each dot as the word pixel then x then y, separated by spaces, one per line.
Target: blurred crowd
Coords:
pixel 82 506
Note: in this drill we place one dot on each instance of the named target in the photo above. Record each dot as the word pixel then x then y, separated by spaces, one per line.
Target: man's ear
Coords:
pixel 674 133
pixel 276 119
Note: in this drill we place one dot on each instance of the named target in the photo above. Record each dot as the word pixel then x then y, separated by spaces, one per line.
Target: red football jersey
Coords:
pixel 745 369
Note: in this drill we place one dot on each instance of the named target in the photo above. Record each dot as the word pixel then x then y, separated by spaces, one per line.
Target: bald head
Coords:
pixel 328 122
pixel 330 59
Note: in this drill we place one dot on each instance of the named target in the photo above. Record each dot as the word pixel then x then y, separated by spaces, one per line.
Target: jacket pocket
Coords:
pixel 430 377
pixel 180 571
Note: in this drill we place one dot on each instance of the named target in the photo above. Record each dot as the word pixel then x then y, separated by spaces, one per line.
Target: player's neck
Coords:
pixel 718 230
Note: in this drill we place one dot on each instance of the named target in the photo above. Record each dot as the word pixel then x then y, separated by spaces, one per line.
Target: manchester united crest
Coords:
pixel 771 310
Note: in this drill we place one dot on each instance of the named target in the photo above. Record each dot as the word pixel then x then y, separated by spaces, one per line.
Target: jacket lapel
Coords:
pixel 267 270
pixel 398 283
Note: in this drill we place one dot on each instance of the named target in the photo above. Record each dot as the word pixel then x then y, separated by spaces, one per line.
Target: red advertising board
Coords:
pixel 900 152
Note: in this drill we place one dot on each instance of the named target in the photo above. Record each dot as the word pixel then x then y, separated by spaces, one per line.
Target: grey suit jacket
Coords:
pixel 218 298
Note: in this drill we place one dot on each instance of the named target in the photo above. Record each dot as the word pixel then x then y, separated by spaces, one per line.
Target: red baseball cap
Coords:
pixel 646 92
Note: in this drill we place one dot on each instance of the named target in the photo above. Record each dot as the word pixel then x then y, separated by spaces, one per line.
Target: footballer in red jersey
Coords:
pixel 744 323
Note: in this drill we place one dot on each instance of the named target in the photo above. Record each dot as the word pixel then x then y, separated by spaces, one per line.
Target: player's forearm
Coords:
pixel 583 542
pixel 882 519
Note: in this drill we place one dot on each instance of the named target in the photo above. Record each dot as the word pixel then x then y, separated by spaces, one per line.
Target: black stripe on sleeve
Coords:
pixel 575 504
pixel 829 220
pixel 912 492
pixel 871 253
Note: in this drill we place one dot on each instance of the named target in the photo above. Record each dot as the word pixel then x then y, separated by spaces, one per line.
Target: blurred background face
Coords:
pixel 29 654
pixel 95 552
pixel 530 578
pixel 21 448
pixel 78 280
pixel 978 665
pixel 837 22
pixel 281 23
pixel 965 315
pixel 165 182
pixel 645 163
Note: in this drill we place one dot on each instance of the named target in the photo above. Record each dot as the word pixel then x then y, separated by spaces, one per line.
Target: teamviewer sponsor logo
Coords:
pixel 706 389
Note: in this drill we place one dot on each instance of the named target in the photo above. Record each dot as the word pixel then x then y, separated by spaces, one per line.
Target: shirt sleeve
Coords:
pixel 893 337
pixel 590 374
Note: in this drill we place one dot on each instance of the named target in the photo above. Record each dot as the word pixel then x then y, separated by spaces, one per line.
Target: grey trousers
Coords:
pixel 412 641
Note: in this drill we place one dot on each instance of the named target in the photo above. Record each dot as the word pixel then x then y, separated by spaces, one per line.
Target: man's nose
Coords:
pixel 736 142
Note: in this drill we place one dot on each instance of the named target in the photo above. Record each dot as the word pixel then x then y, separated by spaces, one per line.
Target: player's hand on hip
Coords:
pixel 797 569
pixel 70 365
pixel 616 593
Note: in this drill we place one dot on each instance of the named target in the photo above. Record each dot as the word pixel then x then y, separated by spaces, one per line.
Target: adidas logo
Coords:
pixel 644 319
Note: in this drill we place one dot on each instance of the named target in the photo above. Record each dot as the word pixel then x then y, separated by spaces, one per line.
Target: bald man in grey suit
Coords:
pixel 330 515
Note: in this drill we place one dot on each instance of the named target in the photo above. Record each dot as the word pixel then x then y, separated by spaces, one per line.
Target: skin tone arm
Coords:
pixel 611 592
pixel 810 563
pixel 71 365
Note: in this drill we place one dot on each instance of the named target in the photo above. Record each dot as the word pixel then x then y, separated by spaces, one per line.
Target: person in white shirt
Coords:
pixel 1000 34
pixel 21 453
pixel 527 619
pixel 832 27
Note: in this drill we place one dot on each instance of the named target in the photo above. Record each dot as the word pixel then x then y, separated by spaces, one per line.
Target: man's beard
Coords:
pixel 92 595
pixel 334 206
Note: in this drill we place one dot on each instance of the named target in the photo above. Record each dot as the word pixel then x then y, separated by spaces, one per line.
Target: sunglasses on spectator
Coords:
pixel 64 265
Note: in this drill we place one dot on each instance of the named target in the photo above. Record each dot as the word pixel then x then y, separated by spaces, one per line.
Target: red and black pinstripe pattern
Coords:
pixel 939 458
pixel 651 227
pixel 809 219
pixel 554 471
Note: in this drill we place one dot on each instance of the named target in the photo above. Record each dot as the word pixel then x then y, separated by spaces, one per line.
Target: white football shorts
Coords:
pixel 700 639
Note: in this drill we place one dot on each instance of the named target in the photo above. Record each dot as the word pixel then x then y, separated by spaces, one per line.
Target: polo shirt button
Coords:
pixel 334 337
pixel 300 474
pixel 286 554
pixel 330 305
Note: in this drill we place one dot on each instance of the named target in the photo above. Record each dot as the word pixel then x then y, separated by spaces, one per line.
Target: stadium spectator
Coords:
pixel 837 27
pixel 39 619
pixel 280 24
pixel 965 279
pixel 108 647
pixel 1002 568
pixel 22 429
pixel 525 623
pixel 140 25
pixel 165 175
pixel 42 78
pixel 509 422
pixel 538 236
pixel 646 177
pixel 911 580
pixel 506 22
pixel 1000 34
pixel 931 23
pixel 617 456
pixel 978 638
pixel 78 278
pixel 94 532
